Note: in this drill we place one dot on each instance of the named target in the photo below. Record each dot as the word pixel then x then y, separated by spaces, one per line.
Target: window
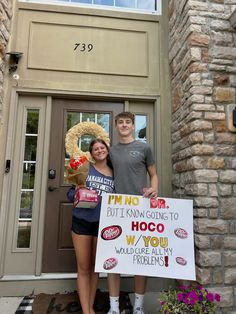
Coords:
pixel 149 6
pixel 28 178
pixel 140 127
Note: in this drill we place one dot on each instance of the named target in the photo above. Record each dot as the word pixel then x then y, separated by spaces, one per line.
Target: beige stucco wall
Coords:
pixel 134 47
pixel 122 59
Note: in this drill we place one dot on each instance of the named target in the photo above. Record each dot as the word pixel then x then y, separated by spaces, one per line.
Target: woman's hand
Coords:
pixel 149 192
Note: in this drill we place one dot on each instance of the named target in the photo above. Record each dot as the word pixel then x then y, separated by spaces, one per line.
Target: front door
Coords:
pixel 58 255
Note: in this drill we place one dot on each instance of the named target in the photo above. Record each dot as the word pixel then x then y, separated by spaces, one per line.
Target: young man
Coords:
pixel 131 161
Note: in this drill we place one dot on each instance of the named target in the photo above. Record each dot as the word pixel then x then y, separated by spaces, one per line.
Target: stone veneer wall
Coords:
pixel 5 19
pixel 202 54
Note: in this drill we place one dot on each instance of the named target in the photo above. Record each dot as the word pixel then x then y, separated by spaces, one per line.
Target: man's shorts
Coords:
pixel 84 227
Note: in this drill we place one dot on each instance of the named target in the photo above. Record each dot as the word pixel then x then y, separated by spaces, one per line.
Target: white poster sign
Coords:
pixel 141 236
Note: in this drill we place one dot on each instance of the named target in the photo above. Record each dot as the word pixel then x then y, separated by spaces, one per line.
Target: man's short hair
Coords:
pixel 125 114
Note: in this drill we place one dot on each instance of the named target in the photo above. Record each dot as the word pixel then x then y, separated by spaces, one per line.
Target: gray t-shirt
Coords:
pixel 130 162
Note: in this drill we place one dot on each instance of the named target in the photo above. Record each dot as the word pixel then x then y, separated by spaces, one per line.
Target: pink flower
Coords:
pixel 193 295
pixel 217 297
pixel 180 296
pixel 200 297
pixel 193 298
pixel 186 301
pixel 192 301
pixel 210 296
pixel 182 287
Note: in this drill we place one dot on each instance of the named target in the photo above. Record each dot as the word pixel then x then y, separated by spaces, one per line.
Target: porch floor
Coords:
pixel 9 305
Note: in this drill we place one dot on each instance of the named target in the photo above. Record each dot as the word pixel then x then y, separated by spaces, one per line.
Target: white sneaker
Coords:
pixel 113 312
pixel 138 310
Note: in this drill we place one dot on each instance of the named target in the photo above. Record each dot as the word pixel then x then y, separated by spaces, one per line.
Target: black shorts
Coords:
pixel 84 227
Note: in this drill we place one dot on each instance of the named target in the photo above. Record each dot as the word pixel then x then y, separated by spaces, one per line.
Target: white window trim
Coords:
pixel 96 6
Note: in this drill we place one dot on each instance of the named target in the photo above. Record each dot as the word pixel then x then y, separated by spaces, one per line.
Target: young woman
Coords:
pixel 85 223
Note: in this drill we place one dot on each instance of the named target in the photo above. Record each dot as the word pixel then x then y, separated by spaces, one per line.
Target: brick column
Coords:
pixel 202 55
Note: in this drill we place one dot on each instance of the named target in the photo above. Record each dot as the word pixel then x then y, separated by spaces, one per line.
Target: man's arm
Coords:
pixel 153 190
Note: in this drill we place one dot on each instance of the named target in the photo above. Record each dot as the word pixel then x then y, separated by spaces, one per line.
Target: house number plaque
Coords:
pixel 83 47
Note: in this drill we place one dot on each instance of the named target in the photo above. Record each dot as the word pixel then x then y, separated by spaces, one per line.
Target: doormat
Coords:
pixel 69 303
pixel 25 306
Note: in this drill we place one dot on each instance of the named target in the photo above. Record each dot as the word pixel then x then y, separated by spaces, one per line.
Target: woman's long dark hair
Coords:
pixel 99 140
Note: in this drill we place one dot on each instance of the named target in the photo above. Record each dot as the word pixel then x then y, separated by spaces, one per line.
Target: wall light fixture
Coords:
pixel 13 60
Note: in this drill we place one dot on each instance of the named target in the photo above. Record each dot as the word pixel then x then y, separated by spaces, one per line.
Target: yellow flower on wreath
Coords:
pixel 75 133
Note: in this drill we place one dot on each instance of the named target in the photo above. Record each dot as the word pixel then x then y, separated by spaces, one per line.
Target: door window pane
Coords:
pixel 140 127
pixel 24 234
pixel 32 123
pixel 103 119
pixel 72 119
pixel 26 204
pixel 28 179
pixel 30 147
pixel 86 116
pixel 85 142
pixel 28 175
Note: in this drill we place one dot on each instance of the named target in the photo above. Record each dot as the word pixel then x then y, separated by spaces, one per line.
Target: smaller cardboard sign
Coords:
pixel 85 198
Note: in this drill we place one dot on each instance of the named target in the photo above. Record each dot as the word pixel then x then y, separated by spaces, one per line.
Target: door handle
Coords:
pixel 52 188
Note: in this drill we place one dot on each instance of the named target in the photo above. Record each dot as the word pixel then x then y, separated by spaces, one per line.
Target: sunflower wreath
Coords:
pixel 75 133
